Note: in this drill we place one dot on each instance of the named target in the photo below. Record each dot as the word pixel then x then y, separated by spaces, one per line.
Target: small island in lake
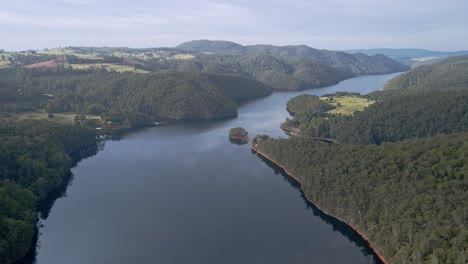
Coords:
pixel 238 135
pixel 238 132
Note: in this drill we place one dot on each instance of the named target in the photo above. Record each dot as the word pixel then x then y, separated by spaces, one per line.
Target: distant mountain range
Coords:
pixel 280 67
pixel 449 74
pixel 357 64
pixel 411 57
pixel 288 67
pixel 408 53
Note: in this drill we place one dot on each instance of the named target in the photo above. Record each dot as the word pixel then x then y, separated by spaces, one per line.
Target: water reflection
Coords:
pixel 336 224
pixel 239 141
pixel 82 153
pixel 180 193
pixel 45 206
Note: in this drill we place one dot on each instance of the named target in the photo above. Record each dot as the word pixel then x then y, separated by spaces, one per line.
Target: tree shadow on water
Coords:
pixel 44 207
pixel 337 225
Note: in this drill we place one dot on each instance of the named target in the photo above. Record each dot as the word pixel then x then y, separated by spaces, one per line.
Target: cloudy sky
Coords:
pixel 330 24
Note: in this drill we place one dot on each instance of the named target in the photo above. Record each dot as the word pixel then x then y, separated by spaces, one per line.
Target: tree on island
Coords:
pixel 238 132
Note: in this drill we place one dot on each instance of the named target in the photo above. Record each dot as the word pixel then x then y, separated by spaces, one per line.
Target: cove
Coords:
pixel 182 193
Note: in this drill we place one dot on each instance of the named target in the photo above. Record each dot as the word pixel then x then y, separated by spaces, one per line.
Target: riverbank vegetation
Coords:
pixel 128 99
pixel 408 198
pixel 396 118
pixel 78 88
pixel 400 176
pixel 281 68
pixel 34 161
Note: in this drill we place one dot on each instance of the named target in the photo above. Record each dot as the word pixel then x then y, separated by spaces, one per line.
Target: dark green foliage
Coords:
pixel 17 220
pixel 417 115
pixel 33 161
pixel 405 184
pixel 284 68
pixel 281 73
pixel 291 73
pixel 134 99
pixel 409 198
pixel 449 74
pixel 238 132
pixel 354 64
pixel 23 59
pixel 34 154
pixel 304 108
pixel 308 104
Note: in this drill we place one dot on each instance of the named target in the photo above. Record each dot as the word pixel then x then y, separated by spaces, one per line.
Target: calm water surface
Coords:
pixel 184 194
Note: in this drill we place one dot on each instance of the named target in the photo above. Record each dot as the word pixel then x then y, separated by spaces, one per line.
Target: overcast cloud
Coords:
pixel 328 24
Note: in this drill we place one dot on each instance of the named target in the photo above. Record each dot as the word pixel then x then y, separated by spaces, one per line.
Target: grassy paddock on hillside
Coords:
pixel 347 105
pixel 59 52
pixel 4 64
pixel 63 118
pixel 108 67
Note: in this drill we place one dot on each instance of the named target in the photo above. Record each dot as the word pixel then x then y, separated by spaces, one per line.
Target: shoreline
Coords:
pixel 30 253
pixel 371 245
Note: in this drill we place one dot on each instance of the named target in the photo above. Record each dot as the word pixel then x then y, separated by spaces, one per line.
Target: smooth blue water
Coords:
pixel 183 194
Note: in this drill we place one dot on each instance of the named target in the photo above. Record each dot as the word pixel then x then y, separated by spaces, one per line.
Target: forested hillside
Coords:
pixel 281 73
pixel 283 68
pixel 33 162
pixel 399 172
pixel 396 118
pixel 133 99
pixel 307 103
pixel 409 53
pixel 409 198
pixel 449 74
pixel 357 64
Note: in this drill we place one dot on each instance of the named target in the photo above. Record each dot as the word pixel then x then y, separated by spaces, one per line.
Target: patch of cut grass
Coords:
pixel 347 105
pixel 182 57
pixel 63 118
pixel 4 64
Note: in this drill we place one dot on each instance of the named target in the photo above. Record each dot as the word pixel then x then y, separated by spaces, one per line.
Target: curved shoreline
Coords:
pixel 31 252
pixel 372 246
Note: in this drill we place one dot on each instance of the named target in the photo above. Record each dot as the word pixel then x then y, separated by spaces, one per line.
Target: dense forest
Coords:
pixel 281 73
pixel 282 68
pixel 448 74
pixel 357 64
pixel 307 104
pixel 130 87
pixel 409 198
pixel 238 132
pixel 34 161
pixel 396 118
pixel 128 98
pixel 399 172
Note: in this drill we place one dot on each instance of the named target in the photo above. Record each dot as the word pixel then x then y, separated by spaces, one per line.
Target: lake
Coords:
pixel 183 193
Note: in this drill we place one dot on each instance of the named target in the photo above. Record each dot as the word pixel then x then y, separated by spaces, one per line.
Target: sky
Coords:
pixel 325 24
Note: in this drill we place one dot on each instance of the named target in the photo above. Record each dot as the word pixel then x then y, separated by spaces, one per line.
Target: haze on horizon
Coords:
pixel 330 24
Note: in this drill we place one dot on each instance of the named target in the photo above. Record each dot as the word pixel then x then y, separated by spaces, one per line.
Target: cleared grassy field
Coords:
pixel 347 105
pixel 68 52
pixel 108 67
pixel 4 64
pixel 63 118
pixel 141 55
pixel 182 57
